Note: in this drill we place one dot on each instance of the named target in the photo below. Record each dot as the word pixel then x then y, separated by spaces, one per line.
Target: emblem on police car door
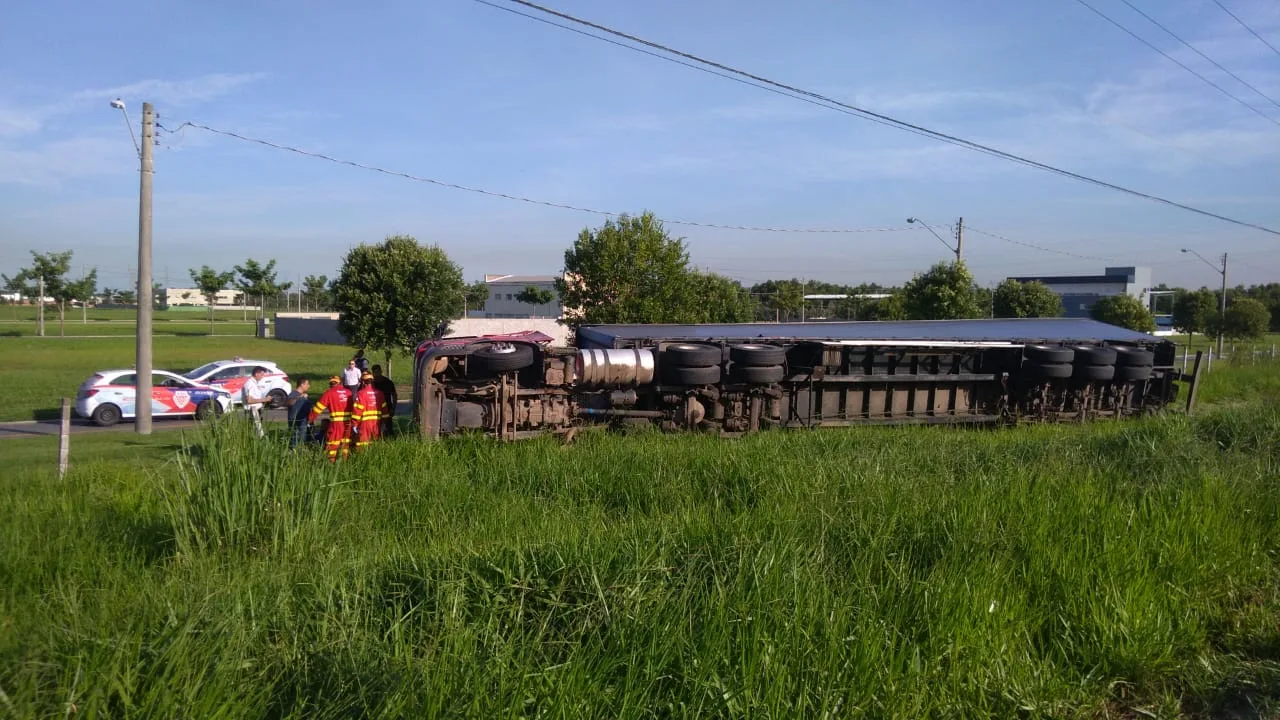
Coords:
pixel 181 399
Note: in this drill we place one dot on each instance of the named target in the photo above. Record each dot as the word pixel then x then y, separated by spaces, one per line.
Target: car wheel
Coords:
pixel 106 415
pixel 276 398
pixel 208 409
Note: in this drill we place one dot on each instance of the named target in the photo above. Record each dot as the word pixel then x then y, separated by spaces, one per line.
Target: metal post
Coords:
pixel 1195 383
pixel 142 366
pixel 64 438
pixel 959 238
pixel 40 309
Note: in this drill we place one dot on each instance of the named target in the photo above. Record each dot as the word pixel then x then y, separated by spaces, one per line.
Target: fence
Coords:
pixel 1233 354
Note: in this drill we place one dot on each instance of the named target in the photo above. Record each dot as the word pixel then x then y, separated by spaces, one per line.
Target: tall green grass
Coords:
pixel 1073 571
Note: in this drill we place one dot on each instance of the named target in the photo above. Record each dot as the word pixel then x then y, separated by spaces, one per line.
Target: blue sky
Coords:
pixel 464 93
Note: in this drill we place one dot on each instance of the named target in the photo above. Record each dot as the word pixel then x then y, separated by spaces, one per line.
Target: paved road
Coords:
pixel 39 428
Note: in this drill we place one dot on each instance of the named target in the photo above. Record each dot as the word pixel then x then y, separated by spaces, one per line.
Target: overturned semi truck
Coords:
pixel 741 378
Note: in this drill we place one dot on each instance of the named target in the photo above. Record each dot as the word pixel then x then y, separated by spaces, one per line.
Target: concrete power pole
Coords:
pixel 1222 305
pixel 959 239
pixel 142 366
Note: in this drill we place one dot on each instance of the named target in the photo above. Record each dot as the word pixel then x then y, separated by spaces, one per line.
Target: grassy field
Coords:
pixel 46 369
pixel 1111 570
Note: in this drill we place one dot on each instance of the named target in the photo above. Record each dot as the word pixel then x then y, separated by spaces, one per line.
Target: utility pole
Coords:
pixel 40 306
pixel 1222 305
pixel 959 238
pixel 142 366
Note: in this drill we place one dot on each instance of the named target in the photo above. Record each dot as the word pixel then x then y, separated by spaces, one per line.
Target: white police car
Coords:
pixel 110 395
pixel 230 375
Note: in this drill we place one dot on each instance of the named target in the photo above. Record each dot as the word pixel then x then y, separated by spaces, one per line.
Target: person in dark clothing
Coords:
pixel 388 388
pixel 362 362
pixel 299 405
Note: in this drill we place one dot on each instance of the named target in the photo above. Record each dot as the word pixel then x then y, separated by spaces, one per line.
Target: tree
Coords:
pixel 783 297
pixel 1125 311
pixel 1246 319
pixel 534 295
pixel 315 292
pixel 210 282
pixel 945 292
pixel 1013 299
pixel 82 291
pixel 393 295
pixel 627 271
pixel 256 279
pixel 52 268
pixel 127 297
pixel 475 295
pixel 1193 312
pixel 722 299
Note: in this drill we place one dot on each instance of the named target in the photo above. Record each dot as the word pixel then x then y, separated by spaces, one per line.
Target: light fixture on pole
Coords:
pixel 1222 299
pixel 142 363
pixel 959 235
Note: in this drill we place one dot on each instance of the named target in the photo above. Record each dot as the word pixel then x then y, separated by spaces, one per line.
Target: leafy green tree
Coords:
pixel 782 298
pixel 1194 311
pixel 210 282
pixel 1246 319
pixel 126 297
pixel 393 295
pixel 627 271
pixel 722 299
pixel 258 280
pixel 945 292
pixel 315 292
pixel 1125 311
pixel 533 295
pixel 82 291
pixel 1013 299
pixel 52 268
pixel 475 295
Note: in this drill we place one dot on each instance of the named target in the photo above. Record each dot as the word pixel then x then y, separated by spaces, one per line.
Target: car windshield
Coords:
pixel 202 370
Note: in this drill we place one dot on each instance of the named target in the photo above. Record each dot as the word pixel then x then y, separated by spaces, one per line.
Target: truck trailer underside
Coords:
pixel 736 379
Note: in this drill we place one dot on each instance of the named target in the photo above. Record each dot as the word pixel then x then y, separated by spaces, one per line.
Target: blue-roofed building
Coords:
pixel 1080 292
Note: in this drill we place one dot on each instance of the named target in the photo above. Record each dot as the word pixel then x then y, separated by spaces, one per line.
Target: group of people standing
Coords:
pixel 361 407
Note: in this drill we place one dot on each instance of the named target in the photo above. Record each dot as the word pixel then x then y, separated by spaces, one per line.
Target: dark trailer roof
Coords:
pixel 1027 330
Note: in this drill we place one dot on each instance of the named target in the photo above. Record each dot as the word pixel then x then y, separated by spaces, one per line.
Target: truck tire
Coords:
pixel 1134 357
pixel 1092 355
pixel 755 355
pixel 1047 371
pixel 1048 354
pixel 106 415
pixel 682 375
pixel 1094 372
pixel 490 359
pixel 691 355
pixel 1132 373
pixel 757 375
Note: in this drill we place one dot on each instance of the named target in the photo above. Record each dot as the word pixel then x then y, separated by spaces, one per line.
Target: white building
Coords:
pixel 504 289
pixel 1080 292
pixel 192 297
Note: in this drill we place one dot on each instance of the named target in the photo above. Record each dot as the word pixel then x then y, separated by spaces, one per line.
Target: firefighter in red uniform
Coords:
pixel 367 410
pixel 337 436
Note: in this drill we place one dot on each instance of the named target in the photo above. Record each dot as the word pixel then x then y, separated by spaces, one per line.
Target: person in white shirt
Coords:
pixel 254 396
pixel 351 376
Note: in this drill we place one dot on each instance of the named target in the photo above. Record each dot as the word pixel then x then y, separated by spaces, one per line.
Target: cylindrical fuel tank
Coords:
pixel 614 368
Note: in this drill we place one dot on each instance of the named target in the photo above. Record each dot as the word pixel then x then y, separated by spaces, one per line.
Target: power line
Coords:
pixel 1194 49
pixel 1036 247
pixel 830 103
pixel 1246 27
pixel 1178 62
pixel 507 196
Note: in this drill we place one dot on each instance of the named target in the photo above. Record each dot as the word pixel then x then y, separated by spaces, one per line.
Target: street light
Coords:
pixel 945 244
pixel 1222 300
pixel 142 364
